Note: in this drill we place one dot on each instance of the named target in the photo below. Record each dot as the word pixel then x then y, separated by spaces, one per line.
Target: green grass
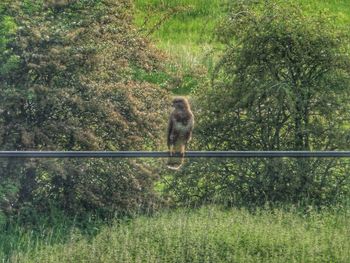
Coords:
pixel 189 32
pixel 195 21
pixel 208 235
pixel 192 23
pixel 339 8
pixel 186 35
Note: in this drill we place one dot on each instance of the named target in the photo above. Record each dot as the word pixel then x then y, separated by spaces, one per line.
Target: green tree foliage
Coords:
pixel 281 84
pixel 287 78
pixel 7 30
pixel 70 87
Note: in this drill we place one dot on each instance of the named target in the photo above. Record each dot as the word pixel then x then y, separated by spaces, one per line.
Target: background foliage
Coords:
pixel 70 86
pixel 260 75
pixel 282 83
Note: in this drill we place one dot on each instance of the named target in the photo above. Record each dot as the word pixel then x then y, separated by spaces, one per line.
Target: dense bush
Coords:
pixel 281 84
pixel 67 83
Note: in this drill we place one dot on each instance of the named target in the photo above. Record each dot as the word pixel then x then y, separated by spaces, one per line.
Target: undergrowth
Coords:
pixel 208 234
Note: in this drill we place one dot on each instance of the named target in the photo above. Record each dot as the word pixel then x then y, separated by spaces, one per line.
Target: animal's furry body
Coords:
pixel 180 128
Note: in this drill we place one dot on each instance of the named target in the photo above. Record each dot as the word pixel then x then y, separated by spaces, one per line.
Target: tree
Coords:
pixel 71 88
pixel 282 83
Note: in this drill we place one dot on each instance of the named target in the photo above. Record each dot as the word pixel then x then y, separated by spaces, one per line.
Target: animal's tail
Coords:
pixel 174 168
pixel 175 163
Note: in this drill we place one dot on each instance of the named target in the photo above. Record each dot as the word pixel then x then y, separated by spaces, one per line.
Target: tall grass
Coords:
pixel 209 235
pixel 27 234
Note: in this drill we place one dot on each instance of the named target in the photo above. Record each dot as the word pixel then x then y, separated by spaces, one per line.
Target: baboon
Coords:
pixel 180 128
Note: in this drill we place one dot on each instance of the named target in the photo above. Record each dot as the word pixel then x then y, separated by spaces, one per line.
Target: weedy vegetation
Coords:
pixel 99 75
pixel 209 234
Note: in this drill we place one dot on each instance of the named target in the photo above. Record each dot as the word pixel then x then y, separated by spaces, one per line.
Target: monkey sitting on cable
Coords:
pixel 180 128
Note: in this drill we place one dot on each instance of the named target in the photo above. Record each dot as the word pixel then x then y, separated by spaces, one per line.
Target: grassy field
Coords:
pixel 183 21
pixel 208 234
pixel 185 30
pixel 195 20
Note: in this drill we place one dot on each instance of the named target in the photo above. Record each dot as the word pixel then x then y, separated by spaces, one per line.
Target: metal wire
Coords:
pixel 189 154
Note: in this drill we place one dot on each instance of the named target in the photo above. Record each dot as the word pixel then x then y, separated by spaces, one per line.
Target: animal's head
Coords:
pixel 180 103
